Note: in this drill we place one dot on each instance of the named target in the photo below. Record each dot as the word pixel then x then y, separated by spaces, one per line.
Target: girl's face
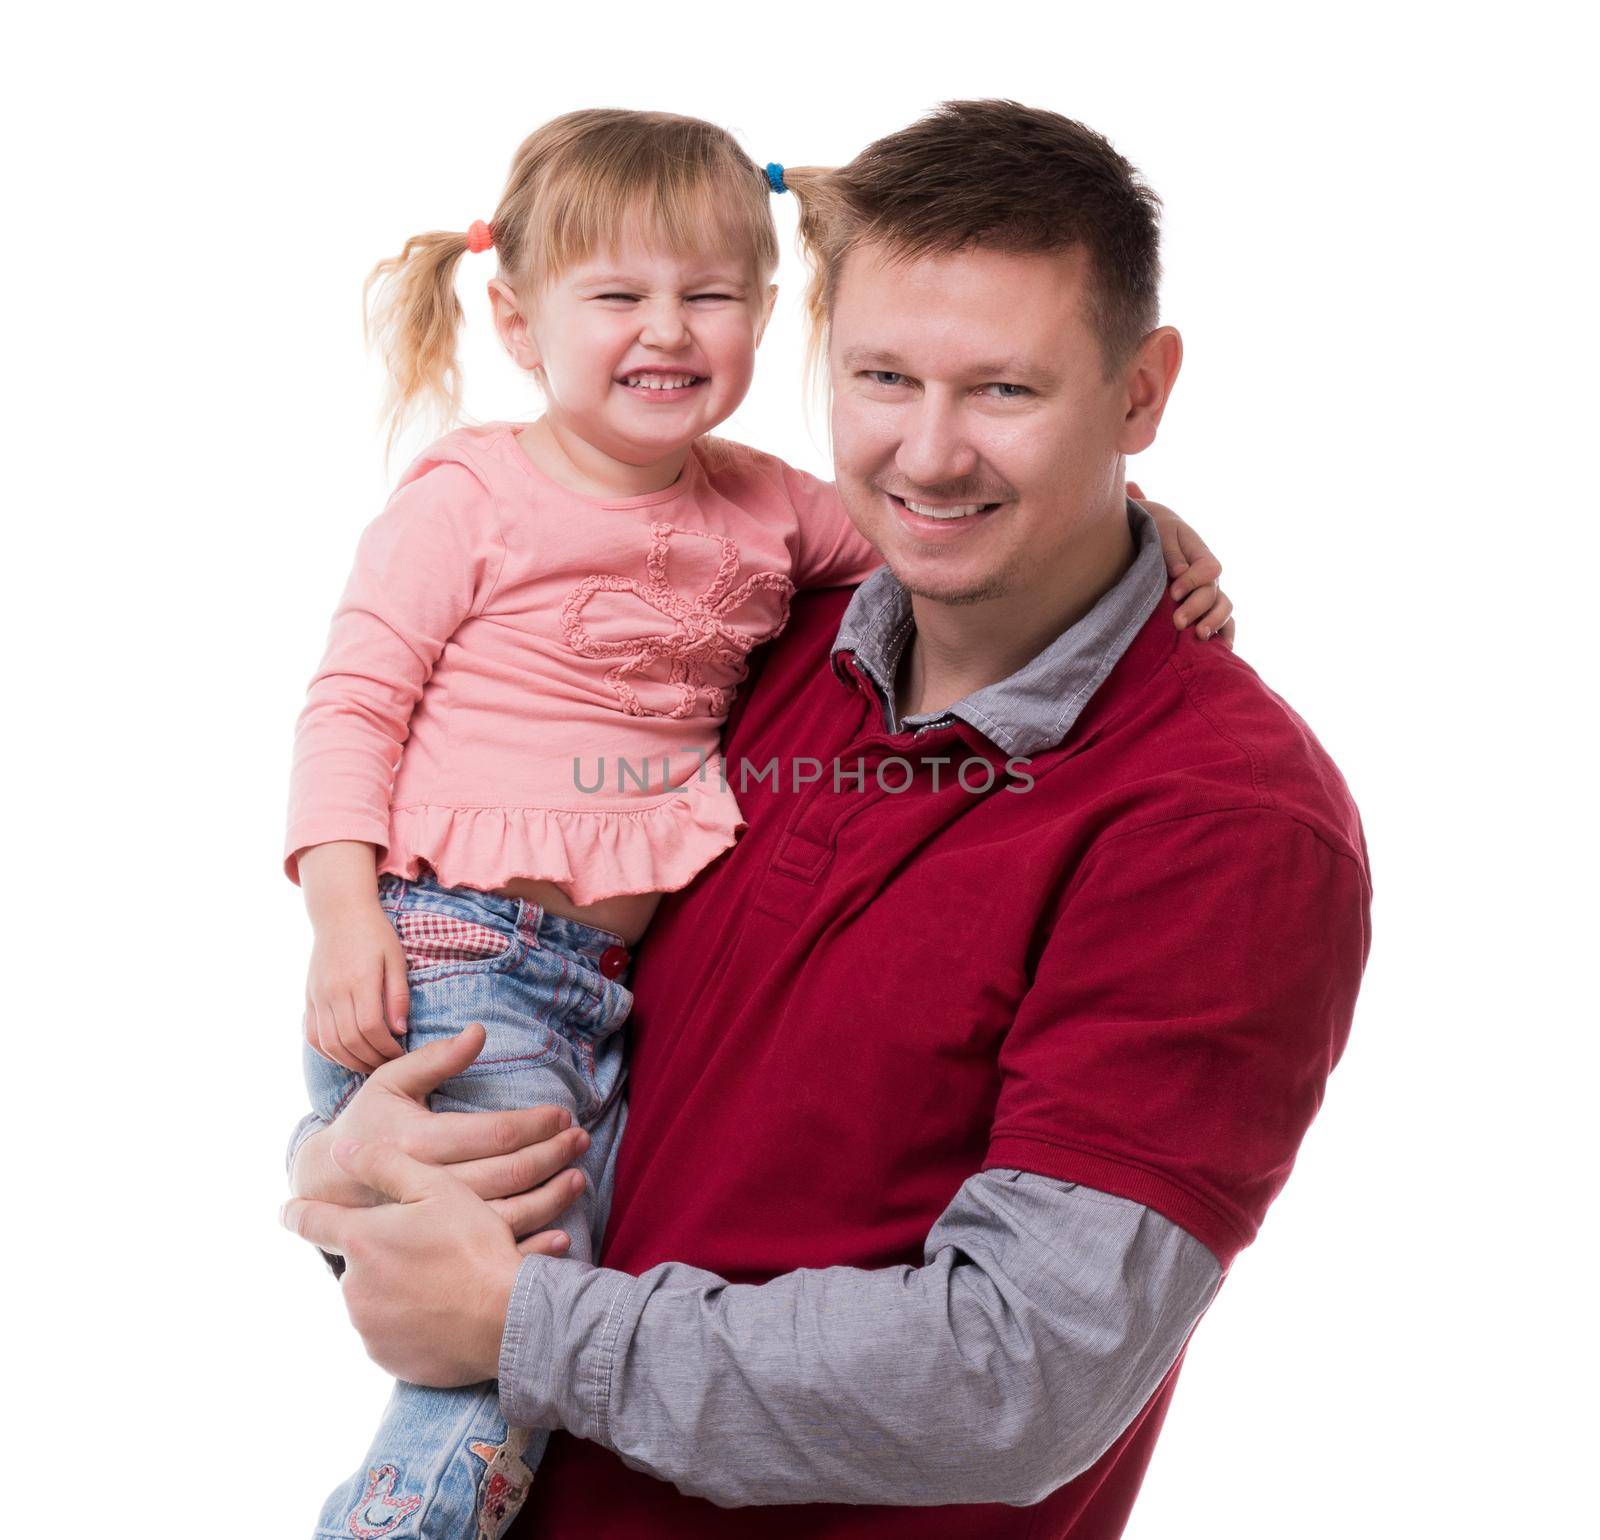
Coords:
pixel 641 351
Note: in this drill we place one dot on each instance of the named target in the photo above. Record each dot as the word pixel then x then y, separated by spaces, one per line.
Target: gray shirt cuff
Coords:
pixel 559 1345
pixel 1044 1316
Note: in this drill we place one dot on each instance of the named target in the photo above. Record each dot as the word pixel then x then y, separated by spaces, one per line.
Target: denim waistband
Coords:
pixel 521 914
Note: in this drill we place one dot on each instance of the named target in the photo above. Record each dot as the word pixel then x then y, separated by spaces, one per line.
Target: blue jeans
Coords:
pixel 444 1464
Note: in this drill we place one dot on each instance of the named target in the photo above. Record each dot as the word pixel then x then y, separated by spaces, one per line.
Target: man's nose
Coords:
pixel 933 447
pixel 665 326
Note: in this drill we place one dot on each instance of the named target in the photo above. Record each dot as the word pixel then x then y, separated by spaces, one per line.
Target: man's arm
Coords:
pixel 1044 1313
pixel 1042 1319
pixel 1178 1073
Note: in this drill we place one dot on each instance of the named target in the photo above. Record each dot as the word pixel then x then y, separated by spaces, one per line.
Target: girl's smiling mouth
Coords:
pixel 664 384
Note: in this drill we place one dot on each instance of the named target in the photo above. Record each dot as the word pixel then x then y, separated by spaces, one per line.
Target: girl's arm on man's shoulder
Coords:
pixel 1195 574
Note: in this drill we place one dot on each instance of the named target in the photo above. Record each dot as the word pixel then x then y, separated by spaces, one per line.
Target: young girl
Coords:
pixel 510 750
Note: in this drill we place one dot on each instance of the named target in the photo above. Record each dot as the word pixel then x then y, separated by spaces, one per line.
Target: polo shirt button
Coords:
pixel 613 961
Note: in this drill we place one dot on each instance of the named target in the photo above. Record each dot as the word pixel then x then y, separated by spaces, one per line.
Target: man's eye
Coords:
pixel 1009 392
pixel 884 377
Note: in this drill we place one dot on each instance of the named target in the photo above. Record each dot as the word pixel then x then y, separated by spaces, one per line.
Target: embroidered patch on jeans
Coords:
pixel 505 1483
pixel 379 1510
pixel 431 939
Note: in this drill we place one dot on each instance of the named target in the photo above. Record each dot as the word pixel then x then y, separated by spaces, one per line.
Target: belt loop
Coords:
pixel 529 917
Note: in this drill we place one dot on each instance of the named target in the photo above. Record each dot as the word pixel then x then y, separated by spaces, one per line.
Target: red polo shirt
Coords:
pixel 1130 963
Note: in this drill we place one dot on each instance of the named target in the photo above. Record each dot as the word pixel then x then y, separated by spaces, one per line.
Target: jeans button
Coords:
pixel 613 961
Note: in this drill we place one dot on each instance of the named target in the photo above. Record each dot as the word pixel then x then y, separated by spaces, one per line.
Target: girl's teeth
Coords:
pixel 660 381
pixel 960 511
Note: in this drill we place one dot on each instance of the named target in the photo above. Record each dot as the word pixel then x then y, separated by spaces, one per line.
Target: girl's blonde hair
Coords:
pixel 825 234
pixel 581 183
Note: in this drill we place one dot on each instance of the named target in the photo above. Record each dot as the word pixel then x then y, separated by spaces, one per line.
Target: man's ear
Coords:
pixel 766 313
pixel 511 322
pixel 1148 380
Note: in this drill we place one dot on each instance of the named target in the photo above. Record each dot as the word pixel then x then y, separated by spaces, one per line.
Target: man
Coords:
pixel 962 1079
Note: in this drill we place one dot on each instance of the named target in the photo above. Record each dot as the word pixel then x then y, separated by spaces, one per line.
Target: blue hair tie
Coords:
pixel 775 177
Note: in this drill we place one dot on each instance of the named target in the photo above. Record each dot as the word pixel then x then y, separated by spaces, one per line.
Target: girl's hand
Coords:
pixel 356 997
pixel 1195 571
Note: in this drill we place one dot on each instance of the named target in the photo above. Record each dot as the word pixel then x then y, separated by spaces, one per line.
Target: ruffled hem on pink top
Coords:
pixel 591 854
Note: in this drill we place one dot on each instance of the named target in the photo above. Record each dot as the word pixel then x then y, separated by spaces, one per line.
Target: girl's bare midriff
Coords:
pixel 626 915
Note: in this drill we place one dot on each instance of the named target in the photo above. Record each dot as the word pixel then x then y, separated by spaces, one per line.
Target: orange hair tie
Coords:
pixel 479 236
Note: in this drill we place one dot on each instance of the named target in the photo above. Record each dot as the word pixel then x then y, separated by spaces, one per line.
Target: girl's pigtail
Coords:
pixel 819 207
pixel 414 320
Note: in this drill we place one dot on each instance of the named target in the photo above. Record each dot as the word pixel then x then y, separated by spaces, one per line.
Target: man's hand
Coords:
pixel 428 1275
pixel 1201 603
pixel 514 1160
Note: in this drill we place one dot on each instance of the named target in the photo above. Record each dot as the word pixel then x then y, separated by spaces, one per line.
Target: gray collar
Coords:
pixel 1035 707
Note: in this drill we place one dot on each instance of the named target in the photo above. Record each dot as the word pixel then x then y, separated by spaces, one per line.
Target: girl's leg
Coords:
pixel 587 1075
pixel 422 1474
pixel 444 1464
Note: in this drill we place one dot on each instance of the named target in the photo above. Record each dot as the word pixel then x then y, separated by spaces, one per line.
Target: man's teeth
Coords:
pixel 956 511
pixel 660 381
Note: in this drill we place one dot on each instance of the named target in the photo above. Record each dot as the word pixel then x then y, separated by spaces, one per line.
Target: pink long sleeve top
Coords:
pixel 522 681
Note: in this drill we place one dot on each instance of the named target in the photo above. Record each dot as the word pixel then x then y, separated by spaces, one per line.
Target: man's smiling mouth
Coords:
pixel 942 510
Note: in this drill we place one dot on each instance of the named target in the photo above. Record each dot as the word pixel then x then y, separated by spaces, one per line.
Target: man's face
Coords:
pixel 975 438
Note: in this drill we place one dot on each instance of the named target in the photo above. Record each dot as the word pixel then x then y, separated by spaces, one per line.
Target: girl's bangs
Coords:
pixel 688 214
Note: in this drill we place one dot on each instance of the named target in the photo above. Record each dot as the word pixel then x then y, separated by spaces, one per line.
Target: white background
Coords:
pixel 1378 248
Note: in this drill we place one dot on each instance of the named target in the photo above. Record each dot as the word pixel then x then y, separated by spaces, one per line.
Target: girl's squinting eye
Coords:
pixel 714 296
pixel 629 297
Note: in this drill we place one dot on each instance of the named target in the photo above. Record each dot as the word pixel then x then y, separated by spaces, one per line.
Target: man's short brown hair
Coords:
pixel 999 175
